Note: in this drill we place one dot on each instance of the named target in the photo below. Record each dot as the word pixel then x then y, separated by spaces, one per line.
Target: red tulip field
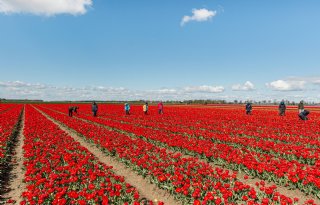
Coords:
pixel 190 154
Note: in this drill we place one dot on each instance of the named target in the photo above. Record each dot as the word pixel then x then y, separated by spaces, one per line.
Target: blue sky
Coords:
pixel 147 49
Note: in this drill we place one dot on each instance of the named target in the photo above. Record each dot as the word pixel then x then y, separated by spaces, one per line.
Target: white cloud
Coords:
pixel 108 89
pixel 312 80
pixel 45 7
pixel 18 89
pixel 26 90
pixel 287 85
pixel 23 90
pixel 205 89
pixel 316 81
pixel 20 84
pixel 245 87
pixel 199 15
pixel 165 91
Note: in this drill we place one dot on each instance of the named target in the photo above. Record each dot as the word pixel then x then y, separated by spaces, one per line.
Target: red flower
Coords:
pixel 196 202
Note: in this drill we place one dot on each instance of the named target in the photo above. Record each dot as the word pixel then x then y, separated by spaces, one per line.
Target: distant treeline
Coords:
pixel 263 102
pixel 3 100
pixel 188 102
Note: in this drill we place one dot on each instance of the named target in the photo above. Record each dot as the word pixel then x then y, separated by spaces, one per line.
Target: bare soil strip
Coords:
pixel 240 176
pixel 283 190
pixel 16 185
pixel 147 190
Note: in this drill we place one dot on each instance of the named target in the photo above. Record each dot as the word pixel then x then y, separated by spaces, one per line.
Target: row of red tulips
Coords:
pixel 301 150
pixel 265 125
pixel 202 121
pixel 282 171
pixel 278 169
pixel 6 107
pixel 301 153
pixel 187 178
pixel 8 125
pixel 61 171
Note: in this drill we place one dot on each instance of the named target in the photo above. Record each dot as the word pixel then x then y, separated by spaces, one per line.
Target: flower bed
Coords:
pixel 8 125
pixel 61 171
pixel 188 179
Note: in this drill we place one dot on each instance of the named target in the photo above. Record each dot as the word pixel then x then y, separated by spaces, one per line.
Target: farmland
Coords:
pixel 192 154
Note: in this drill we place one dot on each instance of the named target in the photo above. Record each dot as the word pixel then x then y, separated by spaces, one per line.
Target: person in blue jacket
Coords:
pixel 303 115
pixel 127 108
pixel 248 108
pixel 282 108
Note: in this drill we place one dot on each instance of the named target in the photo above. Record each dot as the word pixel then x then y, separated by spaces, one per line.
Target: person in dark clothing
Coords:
pixel 303 115
pixel 71 111
pixel 76 109
pixel 301 106
pixel 282 108
pixel 248 108
pixel 94 109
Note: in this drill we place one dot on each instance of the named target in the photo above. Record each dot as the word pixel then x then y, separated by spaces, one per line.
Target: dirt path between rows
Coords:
pixel 146 189
pixel 240 176
pixel 16 185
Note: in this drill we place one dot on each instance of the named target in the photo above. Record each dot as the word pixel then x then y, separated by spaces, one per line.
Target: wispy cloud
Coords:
pixel 165 91
pixel 310 79
pixel 247 86
pixel 26 90
pixel 287 85
pixel 19 89
pixel 316 81
pixel 205 89
pixel 45 7
pixel 20 84
pixel 198 15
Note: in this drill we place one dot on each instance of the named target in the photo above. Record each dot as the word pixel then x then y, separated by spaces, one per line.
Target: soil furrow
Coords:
pixel 147 190
pixel 15 185
pixel 240 176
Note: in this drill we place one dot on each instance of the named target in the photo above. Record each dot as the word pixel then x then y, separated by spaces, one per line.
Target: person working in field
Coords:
pixel 160 107
pixel 145 108
pixel 282 108
pixel 76 109
pixel 73 109
pixel 303 115
pixel 127 108
pixel 70 111
pixel 94 108
pixel 248 108
pixel 300 107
